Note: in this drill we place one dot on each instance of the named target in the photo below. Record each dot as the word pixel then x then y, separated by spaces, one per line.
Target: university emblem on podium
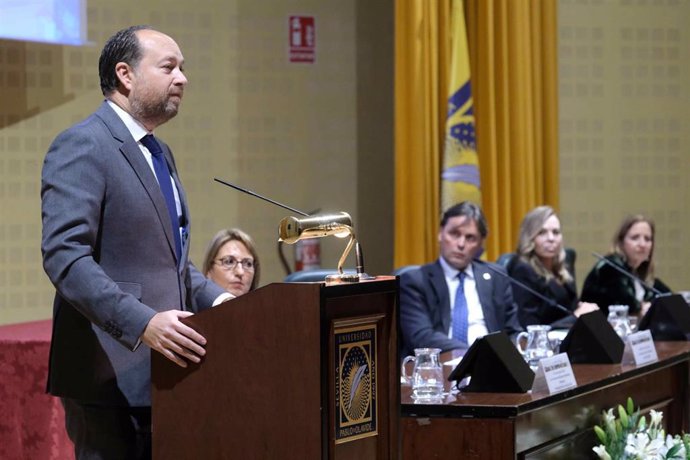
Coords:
pixel 355 382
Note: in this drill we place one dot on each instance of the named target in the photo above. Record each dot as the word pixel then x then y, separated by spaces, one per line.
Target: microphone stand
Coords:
pixel 538 295
pixel 254 194
pixel 359 259
pixel 655 291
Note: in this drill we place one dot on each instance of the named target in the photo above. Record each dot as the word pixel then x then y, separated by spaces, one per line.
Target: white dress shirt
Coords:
pixel 475 315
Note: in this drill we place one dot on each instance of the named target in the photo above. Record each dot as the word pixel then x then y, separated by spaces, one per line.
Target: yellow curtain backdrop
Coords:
pixel 514 76
pixel 421 66
pixel 514 84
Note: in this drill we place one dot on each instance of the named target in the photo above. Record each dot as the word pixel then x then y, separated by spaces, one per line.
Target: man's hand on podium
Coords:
pixel 176 341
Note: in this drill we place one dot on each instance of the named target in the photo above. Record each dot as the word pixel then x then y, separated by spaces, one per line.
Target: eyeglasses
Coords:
pixel 229 263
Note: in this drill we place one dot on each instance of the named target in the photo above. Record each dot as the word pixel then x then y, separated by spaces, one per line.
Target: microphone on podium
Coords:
pixel 550 302
pixel 656 292
pixel 293 229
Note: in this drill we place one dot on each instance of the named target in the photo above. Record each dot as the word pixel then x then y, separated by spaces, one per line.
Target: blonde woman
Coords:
pixel 540 264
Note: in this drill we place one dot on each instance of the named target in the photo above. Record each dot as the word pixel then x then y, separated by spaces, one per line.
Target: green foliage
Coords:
pixel 630 437
pixel 601 434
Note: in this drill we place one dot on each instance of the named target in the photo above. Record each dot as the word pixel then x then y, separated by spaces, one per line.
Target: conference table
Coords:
pixel 533 425
pixel 31 421
pixel 539 425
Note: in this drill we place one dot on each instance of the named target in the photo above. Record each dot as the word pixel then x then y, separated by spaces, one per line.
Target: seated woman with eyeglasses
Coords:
pixel 231 261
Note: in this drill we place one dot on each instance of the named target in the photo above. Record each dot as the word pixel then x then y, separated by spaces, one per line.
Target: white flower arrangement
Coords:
pixel 630 438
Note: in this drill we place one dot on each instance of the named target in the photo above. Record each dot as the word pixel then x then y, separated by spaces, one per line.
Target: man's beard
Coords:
pixel 157 114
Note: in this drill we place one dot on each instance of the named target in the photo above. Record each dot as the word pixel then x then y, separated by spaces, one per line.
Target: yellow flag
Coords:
pixel 460 170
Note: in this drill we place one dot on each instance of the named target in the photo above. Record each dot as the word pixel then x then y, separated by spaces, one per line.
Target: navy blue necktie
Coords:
pixel 160 166
pixel 460 313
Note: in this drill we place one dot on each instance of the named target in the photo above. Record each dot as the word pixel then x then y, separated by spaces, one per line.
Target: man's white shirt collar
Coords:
pixel 450 272
pixel 135 128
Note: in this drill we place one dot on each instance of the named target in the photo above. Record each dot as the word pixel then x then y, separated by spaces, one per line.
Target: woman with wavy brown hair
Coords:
pixel 632 251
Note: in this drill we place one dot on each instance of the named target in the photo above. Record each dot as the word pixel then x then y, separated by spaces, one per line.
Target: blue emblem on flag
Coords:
pixel 461 136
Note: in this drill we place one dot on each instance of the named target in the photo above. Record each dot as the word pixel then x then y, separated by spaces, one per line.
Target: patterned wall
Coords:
pixel 290 130
pixel 285 130
pixel 624 114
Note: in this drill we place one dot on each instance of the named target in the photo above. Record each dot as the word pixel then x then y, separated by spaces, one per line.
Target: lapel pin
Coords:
pixel 486 276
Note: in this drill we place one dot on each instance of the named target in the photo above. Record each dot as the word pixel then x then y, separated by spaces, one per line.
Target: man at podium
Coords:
pixel 450 303
pixel 115 245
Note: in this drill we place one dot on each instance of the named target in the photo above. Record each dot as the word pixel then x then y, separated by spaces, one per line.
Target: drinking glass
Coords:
pixel 618 319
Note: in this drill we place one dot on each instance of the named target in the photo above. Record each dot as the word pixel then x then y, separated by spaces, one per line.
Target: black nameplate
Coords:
pixel 592 340
pixel 668 318
pixel 495 366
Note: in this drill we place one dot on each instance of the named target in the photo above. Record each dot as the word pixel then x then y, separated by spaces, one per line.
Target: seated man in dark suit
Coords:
pixel 453 301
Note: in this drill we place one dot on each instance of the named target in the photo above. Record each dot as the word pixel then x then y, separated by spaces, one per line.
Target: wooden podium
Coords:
pixel 292 370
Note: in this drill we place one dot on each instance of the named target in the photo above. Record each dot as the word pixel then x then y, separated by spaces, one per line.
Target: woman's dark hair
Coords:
pixel 646 269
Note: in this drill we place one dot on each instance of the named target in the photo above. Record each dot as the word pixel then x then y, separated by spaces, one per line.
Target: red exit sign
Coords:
pixel 302 39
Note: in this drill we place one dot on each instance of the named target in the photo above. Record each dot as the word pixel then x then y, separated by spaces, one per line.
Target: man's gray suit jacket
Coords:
pixel 109 250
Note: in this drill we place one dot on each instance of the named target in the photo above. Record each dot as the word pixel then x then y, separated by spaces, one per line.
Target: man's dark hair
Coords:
pixel 469 210
pixel 122 47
